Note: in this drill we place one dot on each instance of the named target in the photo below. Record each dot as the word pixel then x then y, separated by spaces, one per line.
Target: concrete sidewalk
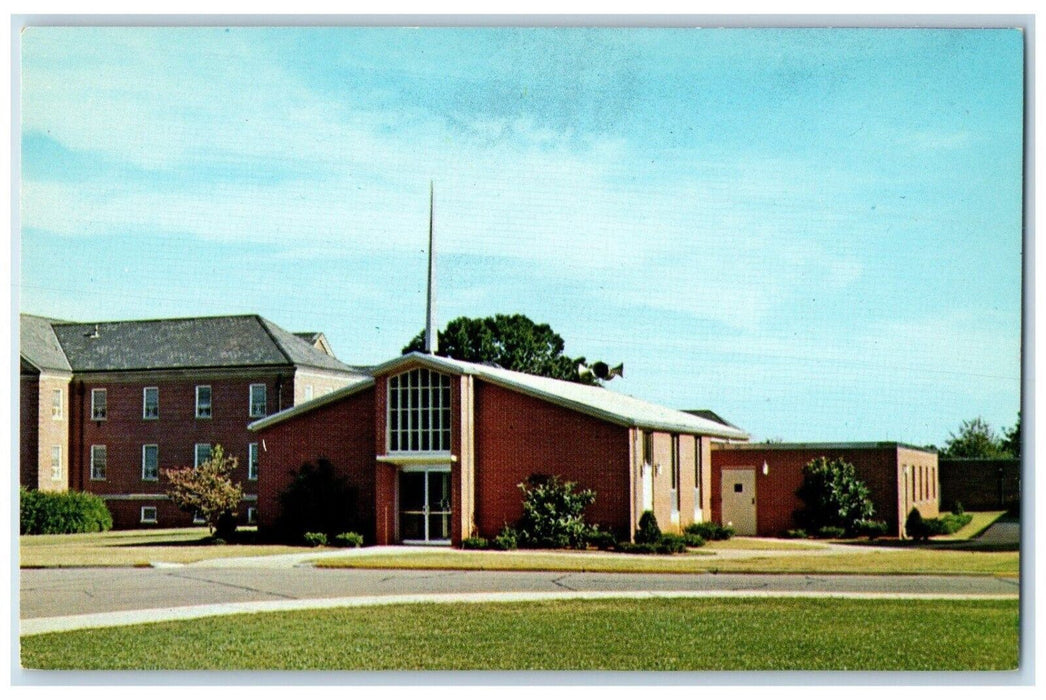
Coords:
pixel 44 625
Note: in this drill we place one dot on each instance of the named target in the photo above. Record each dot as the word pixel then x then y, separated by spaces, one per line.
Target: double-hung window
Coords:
pixel 150 463
pixel 252 461
pixel 99 404
pixel 150 403
pixel 98 460
pixel 252 515
pixel 203 402
pixel 203 453
pixel 258 401
pixel 56 462
pixel 56 404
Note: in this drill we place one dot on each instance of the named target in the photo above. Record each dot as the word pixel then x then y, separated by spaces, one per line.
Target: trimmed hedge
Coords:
pixel 475 543
pixel 62 513
pixel 348 539
pixel 709 531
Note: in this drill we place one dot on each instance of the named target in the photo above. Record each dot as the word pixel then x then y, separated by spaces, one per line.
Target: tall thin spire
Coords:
pixel 431 341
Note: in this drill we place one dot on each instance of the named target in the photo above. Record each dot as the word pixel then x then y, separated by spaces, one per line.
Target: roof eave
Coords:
pixel 302 408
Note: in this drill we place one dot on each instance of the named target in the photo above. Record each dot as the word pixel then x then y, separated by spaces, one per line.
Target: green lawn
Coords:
pixel 896 561
pixel 981 521
pixel 663 634
pixel 132 548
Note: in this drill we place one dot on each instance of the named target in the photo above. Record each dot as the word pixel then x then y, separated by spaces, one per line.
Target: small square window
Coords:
pixel 258 401
pixel 203 402
pixel 99 404
pixel 739 488
pixel 150 403
pixel 149 514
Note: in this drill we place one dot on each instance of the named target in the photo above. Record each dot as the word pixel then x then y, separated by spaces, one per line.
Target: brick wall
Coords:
pixel 29 430
pixel 518 435
pixel 341 432
pixel 881 468
pixel 980 484
pixel 175 432
pixel 41 430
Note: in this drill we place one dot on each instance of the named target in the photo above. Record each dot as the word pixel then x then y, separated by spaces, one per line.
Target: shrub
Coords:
pixel 218 541
pixel 833 496
pixel 474 543
pixel 648 531
pixel 348 539
pixel 507 539
pixel 829 532
pixel 601 539
pixel 796 534
pixel 956 521
pixel 317 500
pixel 671 544
pixel 637 547
pixel 957 509
pixel 315 539
pixel 871 528
pixel 61 513
pixel 693 539
pixel 553 513
pixel 710 530
pixel 914 526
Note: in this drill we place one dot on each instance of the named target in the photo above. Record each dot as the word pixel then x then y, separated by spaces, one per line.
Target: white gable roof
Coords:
pixel 592 400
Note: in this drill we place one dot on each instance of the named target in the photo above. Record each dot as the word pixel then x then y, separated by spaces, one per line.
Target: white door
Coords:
pixel 738 491
pixel 648 487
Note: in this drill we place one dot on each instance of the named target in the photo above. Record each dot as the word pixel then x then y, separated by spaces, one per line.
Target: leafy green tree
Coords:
pixel 509 341
pixel 553 513
pixel 208 490
pixel 833 496
pixel 976 439
pixel 1011 440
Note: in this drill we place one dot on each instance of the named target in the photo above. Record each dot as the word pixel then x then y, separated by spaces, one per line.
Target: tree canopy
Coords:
pixel 208 490
pixel 976 439
pixel 509 341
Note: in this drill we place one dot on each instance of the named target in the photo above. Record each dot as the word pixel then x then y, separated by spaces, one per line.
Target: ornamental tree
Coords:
pixel 833 496
pixel 207 490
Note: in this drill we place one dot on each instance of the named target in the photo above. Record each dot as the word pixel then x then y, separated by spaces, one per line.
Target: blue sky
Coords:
pixel 816 233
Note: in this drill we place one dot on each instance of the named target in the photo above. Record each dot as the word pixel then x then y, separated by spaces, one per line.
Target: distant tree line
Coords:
pixel 977 439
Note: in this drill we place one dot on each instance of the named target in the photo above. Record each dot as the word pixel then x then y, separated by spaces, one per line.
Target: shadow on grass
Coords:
pixel 955 545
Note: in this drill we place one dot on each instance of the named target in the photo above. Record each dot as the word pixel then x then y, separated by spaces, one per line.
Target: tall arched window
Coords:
pixel 419 412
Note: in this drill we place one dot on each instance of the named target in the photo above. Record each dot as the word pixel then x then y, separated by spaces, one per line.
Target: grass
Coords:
pixel 981 521
pixel 896 561
pixel 761 544
pixel 132 548
pixel 665 634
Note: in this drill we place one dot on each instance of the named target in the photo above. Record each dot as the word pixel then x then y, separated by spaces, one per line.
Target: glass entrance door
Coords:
pixel 424 495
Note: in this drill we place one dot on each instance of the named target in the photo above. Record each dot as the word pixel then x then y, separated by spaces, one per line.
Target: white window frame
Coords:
pixel 99 412
pixel 210 402
pixel 675 478
pixel 145 403
pixel 145 449
pixel 252 515
pixel 95 451
pixel 196 453
pixel 436 437
pixel 252 461
pixel 57 407
pixel 145 519
pixel 56 463
pixel 259 410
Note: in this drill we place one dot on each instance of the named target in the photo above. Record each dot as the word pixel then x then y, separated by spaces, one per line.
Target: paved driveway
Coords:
pixel 62 592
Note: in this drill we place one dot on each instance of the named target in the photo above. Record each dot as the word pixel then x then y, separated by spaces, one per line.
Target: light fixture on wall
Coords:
pixel 766 468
